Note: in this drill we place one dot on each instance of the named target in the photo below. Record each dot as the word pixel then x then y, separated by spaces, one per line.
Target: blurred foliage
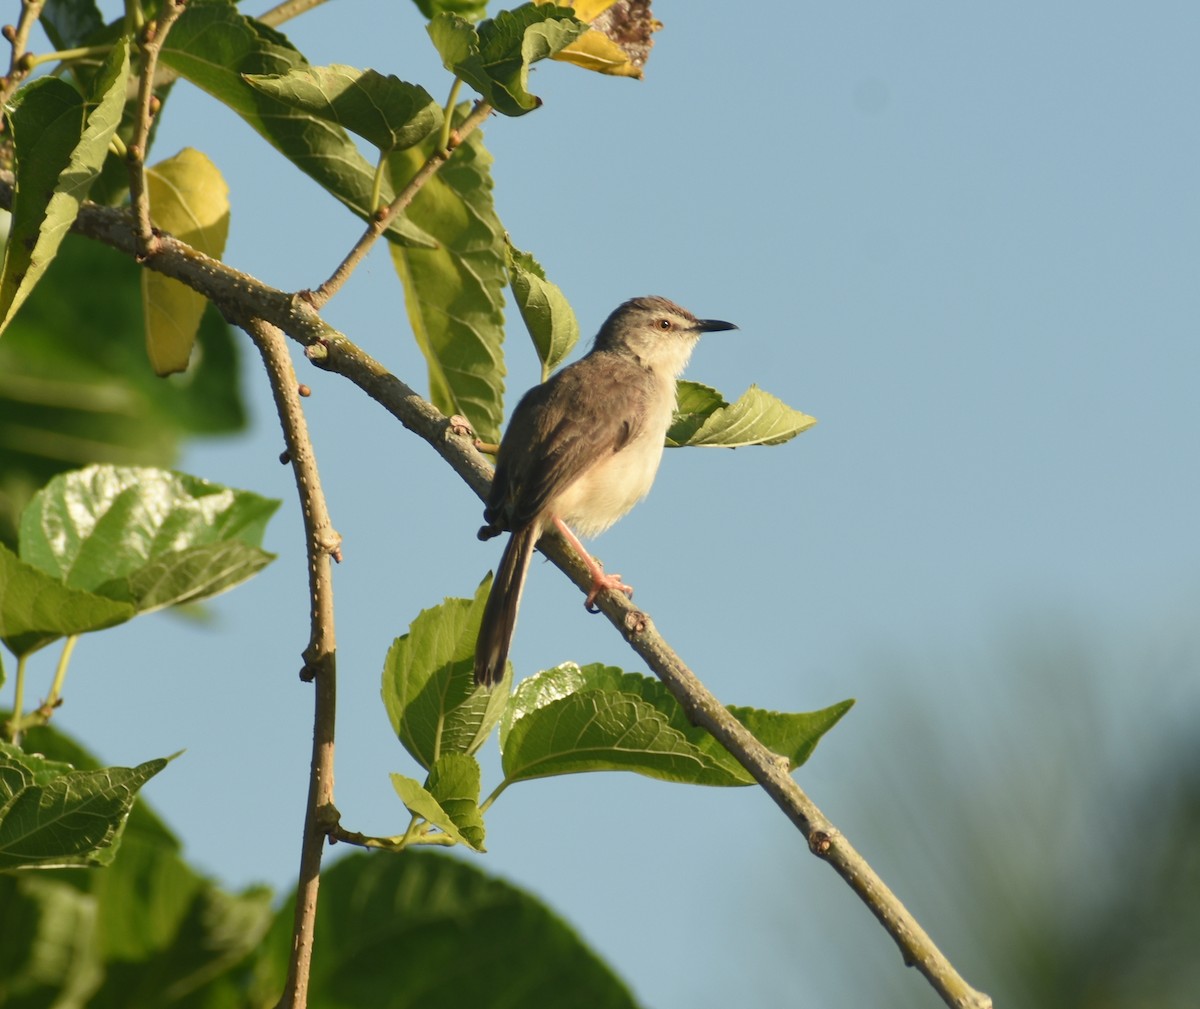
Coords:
pixel 76 386
pixel 150 932
pixel 1052 840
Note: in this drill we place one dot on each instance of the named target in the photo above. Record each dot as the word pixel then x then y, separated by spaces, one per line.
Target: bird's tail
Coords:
pixel 500 612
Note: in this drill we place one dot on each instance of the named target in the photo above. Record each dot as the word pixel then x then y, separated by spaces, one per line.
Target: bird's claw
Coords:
pixel 602 582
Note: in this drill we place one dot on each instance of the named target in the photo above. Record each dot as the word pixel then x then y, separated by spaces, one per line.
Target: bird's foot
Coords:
pixel 602 582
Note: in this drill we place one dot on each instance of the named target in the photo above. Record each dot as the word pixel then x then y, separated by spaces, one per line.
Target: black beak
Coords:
pixel 713 325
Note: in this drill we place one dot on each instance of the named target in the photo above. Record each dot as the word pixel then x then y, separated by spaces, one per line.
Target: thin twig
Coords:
pixel 152 37
pixel 772 772
pixel 19 65
pixel 322 544
pixel 380 221
pixel 241 297
pixel 287 10
pixel 398 843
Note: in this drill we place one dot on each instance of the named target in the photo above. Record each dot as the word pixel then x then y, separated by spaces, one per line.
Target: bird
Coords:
pixel 580 450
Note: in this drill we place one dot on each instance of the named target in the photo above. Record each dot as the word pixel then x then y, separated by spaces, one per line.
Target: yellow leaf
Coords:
pixel 619 41
pixel 595 51
pixel 587 10
pixel 190 200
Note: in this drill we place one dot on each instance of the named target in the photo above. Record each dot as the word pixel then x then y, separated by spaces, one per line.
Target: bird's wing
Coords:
pixel 565 431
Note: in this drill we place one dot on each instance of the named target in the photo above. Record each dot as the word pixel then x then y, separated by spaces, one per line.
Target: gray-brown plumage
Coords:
pixel 580 451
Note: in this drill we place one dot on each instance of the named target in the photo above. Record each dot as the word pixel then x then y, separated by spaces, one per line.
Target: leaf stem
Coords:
pixel 377 181
pixel 60 674
pixel 135 16
pixel 13 727
pixel 66 54
pixel 448 114
pixel 486 804
pixel 42 713
pixel 397 843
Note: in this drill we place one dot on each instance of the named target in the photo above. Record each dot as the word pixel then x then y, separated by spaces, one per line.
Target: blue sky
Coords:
pixel 966 239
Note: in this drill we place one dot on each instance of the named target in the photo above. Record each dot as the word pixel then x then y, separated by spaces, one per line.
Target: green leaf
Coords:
pixel 45 120
pixel 473 10
pixel 213 45
pixel 76 387
pixel 385 110
pixel 190 200
pixel 420 802
pixel 454 293
pixel 50 954
pixel 434 908
pixel 187 576
pixel 163 933
pixel 703 418
pixel 429 682
pixel 449 799
pixel 494 57
pixel 36 608
pixel 74 818
pixel 596 730
pixel 147 536
pixel 71 23
pixel 547 314
pixel 57 160
pixel 171 937
pixel 454 782
pixel 572 719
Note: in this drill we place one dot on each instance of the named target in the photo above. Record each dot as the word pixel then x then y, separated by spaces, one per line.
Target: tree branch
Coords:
pixel 322 544
pixel 151 42
pixel 243 298
pixel 380 220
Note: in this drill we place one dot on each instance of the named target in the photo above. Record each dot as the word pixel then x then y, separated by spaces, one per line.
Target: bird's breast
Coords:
pixel 607 490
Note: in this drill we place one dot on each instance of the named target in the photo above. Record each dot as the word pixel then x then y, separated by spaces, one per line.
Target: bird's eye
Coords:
pixel 664 324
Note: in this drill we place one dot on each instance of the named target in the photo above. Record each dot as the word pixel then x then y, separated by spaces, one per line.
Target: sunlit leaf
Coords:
pixel 418 801
pixel 213 45
pixel 190 200
pixel 472 10
pixel 454 783
pixel 619 38
pixel 150 537
pixel 75 818
pixel 547 314
pixel 454 293
pixel 36 608
pixel 494 56
pixel 572 719
pixel 58 156
pixel 704 418
pixel 429 686
pixel 390 113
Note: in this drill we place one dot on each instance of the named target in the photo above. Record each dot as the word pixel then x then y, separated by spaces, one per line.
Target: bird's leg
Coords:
pixel 600 580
